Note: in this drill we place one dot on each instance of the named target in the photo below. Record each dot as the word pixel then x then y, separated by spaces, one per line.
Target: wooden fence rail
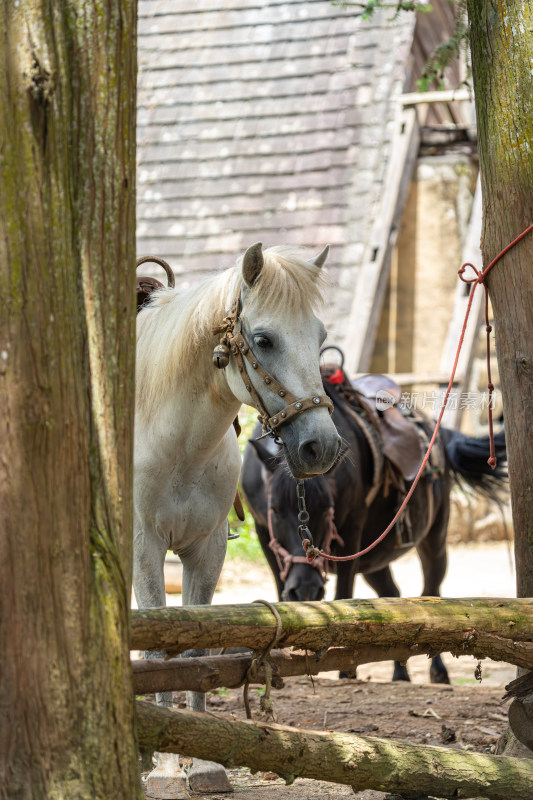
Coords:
pixel 500 629
pixel 361 762
pixel 212 672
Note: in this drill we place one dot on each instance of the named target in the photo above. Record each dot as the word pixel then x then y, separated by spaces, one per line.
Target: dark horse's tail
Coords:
pixel 468 459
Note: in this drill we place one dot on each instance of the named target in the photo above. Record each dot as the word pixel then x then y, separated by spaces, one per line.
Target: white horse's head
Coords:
pixel 278 295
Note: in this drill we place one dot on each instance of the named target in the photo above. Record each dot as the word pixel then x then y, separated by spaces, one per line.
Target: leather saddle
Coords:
pixel 379 397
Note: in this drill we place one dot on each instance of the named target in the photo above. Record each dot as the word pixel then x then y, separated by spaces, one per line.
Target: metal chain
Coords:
pixel 303 514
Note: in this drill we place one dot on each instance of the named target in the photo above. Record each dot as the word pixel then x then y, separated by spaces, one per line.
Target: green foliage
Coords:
pixel 247 545
pixel 367 9
pixel 443 55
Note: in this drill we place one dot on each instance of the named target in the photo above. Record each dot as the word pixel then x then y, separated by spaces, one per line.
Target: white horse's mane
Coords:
pixel 175 327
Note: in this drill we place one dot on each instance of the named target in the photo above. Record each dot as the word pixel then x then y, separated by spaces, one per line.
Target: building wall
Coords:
pixel 420 297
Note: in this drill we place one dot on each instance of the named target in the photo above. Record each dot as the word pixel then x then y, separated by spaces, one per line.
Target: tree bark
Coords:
pixel 361 762
pixel 67 254
pixel 500 629
pixel 521 720
pixel 501 39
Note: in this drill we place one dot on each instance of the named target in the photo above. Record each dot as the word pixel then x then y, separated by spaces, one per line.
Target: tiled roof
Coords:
pixel 267 121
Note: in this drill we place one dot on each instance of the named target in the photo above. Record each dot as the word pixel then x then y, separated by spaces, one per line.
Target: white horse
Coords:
pixel 187 460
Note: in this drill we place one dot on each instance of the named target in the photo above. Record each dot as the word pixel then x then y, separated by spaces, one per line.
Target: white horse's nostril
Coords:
pixel 310 451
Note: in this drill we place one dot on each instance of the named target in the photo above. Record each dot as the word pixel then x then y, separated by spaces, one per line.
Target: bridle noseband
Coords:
pixel 286 560
pixel 236 344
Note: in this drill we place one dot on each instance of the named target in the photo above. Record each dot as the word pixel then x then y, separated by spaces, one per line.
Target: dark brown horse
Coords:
pixel 354 502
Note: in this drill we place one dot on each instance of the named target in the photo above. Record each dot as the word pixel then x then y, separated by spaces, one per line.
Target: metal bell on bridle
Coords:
pixel 221 356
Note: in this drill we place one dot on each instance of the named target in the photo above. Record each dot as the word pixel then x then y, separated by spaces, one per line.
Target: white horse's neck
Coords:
pixel 203 414
pixel 192 424
pixel 183 401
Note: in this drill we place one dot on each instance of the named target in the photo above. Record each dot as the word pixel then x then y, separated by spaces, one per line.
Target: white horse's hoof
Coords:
pixel 167 781
pixel 206 777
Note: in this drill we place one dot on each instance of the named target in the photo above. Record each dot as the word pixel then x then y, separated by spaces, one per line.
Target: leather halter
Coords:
pixel 240 348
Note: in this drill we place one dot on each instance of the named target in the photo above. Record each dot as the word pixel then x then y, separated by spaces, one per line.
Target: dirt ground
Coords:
pixel 467 715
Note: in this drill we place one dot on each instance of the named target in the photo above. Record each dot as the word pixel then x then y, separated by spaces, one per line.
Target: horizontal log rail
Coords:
pixel 501 629
pixel 230 671
pixel 213 672
pixel 361 762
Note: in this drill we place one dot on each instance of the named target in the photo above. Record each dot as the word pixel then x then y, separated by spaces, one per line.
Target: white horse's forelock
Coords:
pixel 175 327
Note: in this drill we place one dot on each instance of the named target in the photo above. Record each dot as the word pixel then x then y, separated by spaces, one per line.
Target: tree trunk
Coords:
pixel 500 629
pixel 67 252
pixel 501 42
pixel 501 38
pixel 361 762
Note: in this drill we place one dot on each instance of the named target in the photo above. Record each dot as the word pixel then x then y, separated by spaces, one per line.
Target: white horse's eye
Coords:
pixel 262 341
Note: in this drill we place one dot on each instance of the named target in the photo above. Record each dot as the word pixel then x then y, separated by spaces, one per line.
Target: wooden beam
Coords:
pixel 357 761
pixel 499 629
pixel 472 254
pixel 407 378
pixel 371 282
pixel 211 672
pixel 204 674
pixel 449 96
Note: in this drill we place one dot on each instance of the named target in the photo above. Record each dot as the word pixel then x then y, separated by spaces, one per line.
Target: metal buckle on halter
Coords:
pixel 269 432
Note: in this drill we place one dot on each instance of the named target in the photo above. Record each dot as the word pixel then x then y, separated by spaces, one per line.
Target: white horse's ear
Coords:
pixel 321 258
pixel 268 457
pixel 252 263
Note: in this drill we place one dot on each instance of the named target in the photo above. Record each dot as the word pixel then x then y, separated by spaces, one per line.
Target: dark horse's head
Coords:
pixel 268 480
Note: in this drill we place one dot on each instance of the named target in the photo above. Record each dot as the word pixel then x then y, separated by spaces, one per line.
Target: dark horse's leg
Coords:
pixel 432 553
pixel 383 584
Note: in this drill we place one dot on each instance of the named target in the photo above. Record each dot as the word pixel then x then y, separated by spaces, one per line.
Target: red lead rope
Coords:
pixel 311 551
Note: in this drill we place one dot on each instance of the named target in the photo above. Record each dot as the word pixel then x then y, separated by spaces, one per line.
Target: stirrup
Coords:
pixel 403 535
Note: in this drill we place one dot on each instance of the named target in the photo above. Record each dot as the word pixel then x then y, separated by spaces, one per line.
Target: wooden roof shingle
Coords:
pixel 269 121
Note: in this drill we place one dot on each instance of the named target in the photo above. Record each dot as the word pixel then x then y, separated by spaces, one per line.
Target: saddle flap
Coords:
pixel 372 386
pixel 401 442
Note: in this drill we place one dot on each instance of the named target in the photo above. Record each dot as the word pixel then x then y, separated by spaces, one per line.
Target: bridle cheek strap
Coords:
pixel 240 349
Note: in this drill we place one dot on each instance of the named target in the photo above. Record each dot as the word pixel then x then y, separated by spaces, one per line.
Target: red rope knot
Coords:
pixel 311 552
pixel 492 462
pixel 479 275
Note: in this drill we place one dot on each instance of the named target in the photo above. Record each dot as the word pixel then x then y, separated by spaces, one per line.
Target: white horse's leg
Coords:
pixel 201 571
pixel 167 781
